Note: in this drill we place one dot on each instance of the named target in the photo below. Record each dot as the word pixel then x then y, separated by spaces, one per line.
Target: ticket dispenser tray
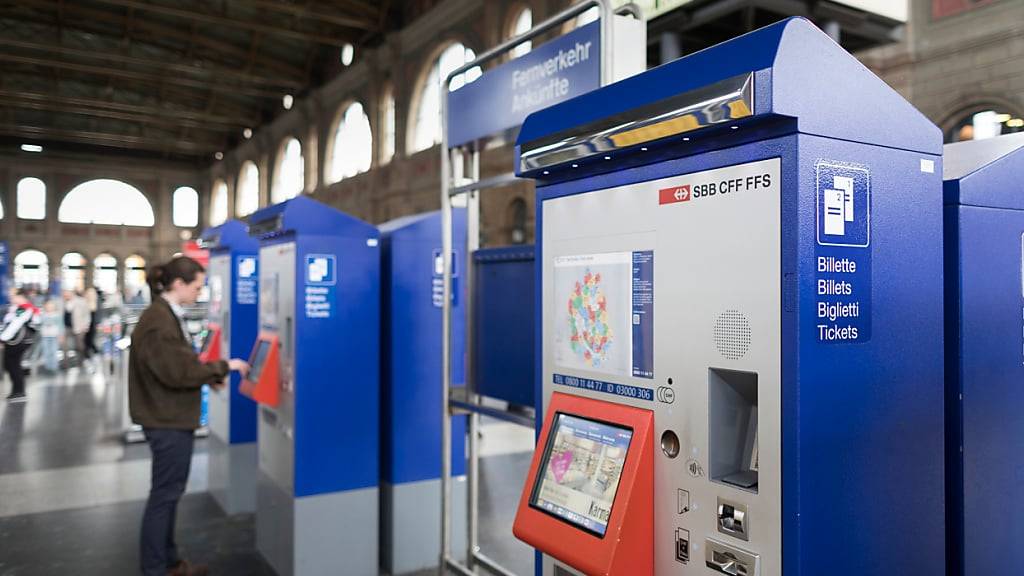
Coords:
pixel 262 384
pixel 588 499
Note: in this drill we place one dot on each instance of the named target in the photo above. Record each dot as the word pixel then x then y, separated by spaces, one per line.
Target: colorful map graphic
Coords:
pixel 590 335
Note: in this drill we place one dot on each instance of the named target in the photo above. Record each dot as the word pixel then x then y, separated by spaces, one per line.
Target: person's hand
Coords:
pixel 239 365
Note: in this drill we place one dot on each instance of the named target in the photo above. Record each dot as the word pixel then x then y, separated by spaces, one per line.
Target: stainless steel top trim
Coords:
pixel 721 102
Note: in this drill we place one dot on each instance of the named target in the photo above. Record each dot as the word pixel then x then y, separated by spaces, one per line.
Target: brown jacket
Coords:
pixel 165 376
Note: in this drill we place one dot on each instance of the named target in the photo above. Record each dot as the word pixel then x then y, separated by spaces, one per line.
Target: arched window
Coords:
pixel 186 207
pixel 72 271
pixel 352 145
pixel 289 173
pixel 135 289
pixel 106 202
pixel 31 199
pixel 1 209
pixel 521 24
pixel 247 191
pixel 104 273
pixel 387 126
pixel 987 122
pixel 219 203
pixel 427 125
pixel 32 268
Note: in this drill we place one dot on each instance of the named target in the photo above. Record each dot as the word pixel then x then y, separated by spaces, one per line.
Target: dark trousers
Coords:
pixel 172 458
pixel 12 365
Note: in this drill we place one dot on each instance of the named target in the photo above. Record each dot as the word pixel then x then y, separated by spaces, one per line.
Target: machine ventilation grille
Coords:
pixel 732 334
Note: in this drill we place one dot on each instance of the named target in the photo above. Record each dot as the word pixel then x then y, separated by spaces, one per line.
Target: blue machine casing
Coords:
pixel 411 348
pixel 232 239
pixel 862 449
pixel 503 316
pixel 984 365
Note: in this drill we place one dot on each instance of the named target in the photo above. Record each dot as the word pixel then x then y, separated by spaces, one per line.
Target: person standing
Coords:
pixel 165 378
pixel 51 326
pixel 17 334
pixel 80 319
pixel 93 300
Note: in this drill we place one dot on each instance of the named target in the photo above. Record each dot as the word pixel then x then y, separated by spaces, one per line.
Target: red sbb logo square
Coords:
pixel 674 194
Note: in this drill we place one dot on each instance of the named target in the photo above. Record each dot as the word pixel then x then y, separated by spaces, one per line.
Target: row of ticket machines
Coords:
pixel 716 239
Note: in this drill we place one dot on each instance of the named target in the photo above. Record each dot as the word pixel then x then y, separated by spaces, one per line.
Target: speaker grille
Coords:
pixel 732 334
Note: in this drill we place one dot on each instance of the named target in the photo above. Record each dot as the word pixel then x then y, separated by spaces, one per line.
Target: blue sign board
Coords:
pixel 321 277
pixel 843 254
pixel 504 96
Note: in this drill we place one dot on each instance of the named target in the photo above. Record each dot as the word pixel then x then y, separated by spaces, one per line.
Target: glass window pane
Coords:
pixel 32 268
pixel 219 203
pixel 289 177
pixel 31 199
pixel 352 151
pixel 106 202
pixel 247 192
pixel 185 210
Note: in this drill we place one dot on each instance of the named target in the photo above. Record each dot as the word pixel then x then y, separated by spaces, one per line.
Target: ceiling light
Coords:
pixel 287 101
pixel 247 133
pixel 31 148
pixel 348 52
pixel 219 155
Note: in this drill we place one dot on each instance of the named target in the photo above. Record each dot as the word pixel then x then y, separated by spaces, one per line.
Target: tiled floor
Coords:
pixel 72 493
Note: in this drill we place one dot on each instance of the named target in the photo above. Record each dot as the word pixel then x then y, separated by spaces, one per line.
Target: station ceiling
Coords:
pixel 167 79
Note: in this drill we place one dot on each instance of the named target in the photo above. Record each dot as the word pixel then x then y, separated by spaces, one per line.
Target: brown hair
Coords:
pixel 182 268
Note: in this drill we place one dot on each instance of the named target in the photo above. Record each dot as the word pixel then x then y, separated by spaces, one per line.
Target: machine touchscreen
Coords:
pixel 581 469
pixel 259 358
pixel 207 340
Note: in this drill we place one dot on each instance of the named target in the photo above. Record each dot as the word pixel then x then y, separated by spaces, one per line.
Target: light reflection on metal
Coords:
pixel 724 101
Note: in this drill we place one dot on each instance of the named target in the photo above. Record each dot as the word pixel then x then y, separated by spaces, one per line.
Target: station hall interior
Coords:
pixel 511 287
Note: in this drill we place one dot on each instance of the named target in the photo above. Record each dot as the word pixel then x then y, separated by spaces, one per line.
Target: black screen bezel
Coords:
pixel 255 370
pixel 546 460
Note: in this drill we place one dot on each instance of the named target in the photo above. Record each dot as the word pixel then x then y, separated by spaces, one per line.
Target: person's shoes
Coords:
pixel 183 568
pixel 17 399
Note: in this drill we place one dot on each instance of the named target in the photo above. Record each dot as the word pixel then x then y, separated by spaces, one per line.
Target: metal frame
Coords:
pixel 456 180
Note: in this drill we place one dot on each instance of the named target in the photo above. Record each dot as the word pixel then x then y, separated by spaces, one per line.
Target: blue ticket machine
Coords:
pixel 315 369
pixel 411 410
pixel 744 245
pixel 233 278
pixel 984 364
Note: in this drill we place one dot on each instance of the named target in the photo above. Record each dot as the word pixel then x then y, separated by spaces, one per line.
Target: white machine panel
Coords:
pixel 219 281
pixel 277 315
pixel 710 370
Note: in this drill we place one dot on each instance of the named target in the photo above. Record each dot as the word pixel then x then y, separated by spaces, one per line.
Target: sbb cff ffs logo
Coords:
pixel 685 192
pixel 674 194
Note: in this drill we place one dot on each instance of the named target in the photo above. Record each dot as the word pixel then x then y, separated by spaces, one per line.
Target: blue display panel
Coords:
pixel 582 467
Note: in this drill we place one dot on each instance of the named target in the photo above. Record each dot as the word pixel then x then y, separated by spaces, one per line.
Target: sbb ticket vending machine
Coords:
pixel 233 278
pixel 740 278
pixel 315 372
pixel 984 364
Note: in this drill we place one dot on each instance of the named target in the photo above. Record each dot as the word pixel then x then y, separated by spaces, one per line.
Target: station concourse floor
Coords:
pixel 72 492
